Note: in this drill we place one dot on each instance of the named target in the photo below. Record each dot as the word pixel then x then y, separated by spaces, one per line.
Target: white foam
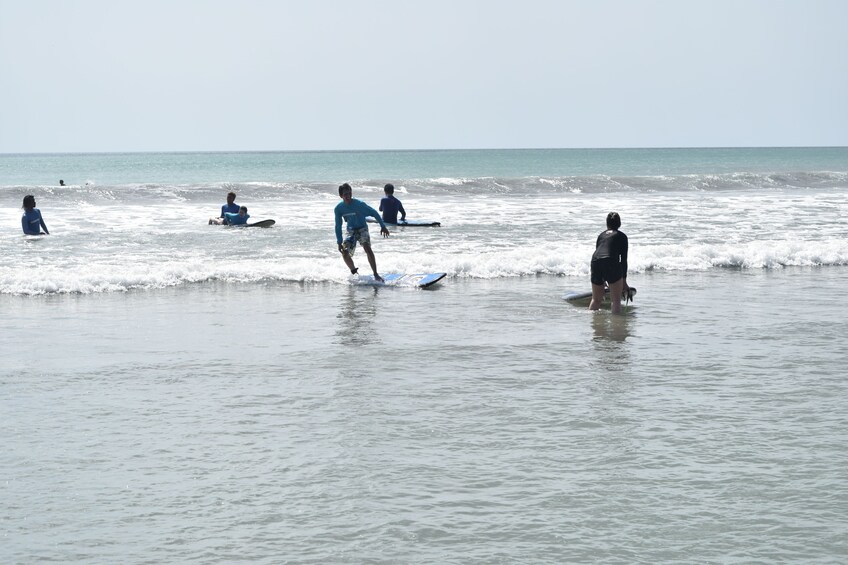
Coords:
pixel 117 240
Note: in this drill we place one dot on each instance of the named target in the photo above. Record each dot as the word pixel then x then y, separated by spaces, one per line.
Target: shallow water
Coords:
pixel 480 421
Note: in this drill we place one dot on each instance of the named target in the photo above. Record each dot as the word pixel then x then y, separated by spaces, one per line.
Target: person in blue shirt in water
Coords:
pixel 354 213
pixel 31 221
pixel 229 208
pixel 238 219
pixel 390 206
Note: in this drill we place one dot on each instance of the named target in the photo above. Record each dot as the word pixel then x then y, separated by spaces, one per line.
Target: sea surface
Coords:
pixel 175 392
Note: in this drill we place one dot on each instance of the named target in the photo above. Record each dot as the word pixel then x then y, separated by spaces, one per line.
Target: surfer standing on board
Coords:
pixel 609 264
pixel 354 213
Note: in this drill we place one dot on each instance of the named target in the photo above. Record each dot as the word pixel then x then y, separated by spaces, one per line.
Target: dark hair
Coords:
pixel 613 221
pixel 243 208
pixel 344 187
pixel 389 188
pixel 29 202
pixel 233 194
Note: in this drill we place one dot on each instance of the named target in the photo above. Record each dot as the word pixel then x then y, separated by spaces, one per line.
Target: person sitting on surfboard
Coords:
pixel 390 206
pixel 231 219
pixel 354 213
pixel 609 264
pixel 230 207
pixel 32 221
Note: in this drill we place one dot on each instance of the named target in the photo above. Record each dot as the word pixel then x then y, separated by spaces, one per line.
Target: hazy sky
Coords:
pixel 207 75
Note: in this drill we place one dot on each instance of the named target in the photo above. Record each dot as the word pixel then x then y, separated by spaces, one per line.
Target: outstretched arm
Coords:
pixel 338 227
pixel 369 211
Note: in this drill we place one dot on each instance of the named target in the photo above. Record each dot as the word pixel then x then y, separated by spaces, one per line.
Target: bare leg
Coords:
pixel 348 261
pixel 615 295
pixel 216 221
pixel 372 261
pixel 597 296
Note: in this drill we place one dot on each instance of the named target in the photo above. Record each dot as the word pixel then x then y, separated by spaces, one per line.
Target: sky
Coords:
pixel 253 75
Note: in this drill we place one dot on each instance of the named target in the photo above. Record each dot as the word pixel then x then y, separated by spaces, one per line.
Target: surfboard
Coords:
pixel 261 224
pixel 585 296
pixel 409 223
pixel 418 280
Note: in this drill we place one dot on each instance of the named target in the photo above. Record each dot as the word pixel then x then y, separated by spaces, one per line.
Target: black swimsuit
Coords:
pixel 609 262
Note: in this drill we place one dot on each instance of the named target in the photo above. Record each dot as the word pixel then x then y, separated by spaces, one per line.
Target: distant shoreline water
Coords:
pixel 339 165
pixel 422 150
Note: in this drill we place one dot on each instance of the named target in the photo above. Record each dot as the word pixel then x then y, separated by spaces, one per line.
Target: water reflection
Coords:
pixel 609 340
pixel 611 327
pixel 357 310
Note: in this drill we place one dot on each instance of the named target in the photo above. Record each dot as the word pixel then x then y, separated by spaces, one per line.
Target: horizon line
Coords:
pixel 422 150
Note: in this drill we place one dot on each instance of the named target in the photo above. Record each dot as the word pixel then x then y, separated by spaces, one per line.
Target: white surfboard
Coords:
pixel 418 280
pixel 585 296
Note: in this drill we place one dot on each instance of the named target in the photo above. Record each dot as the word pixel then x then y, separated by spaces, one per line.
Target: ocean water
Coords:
pixel 177 392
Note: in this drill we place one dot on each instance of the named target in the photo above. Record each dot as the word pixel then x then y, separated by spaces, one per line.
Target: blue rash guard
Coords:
pixel 354 214
pixel 234 219
pixel 31 221
pixel 229 208
pixel 390 206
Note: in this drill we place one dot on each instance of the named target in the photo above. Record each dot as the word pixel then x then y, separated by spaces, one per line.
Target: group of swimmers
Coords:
pixel 608 266
pixel 353 211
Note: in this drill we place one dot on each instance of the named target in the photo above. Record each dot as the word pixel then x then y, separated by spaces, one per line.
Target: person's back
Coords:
pixel 32 222
pixel 230 207
pixel 390 206
pixel 609 265
pixel 612 244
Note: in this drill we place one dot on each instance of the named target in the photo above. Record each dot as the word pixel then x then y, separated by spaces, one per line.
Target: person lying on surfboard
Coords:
pixel 354 213
pixel 390 206
pixel 230 207
pixel 241 218
pixel 609 264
